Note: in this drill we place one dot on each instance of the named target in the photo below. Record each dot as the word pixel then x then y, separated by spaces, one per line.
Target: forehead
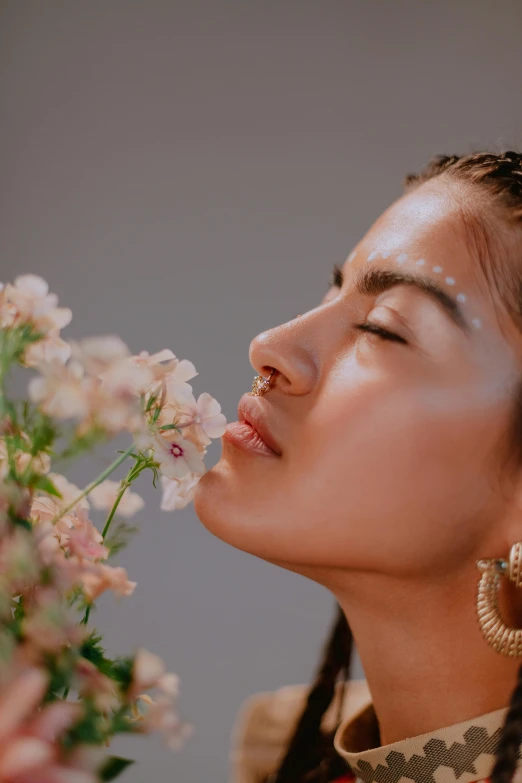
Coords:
pixel 436 225
pixel 430 223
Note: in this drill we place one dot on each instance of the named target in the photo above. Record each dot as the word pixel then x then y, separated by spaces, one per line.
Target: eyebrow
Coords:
pixel 376 281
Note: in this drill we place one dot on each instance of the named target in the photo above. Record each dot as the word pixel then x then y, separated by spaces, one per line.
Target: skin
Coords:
pixel 393 478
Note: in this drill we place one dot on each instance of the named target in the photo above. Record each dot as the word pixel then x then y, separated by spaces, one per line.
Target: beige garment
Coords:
pixel 461 753
pixel 265 722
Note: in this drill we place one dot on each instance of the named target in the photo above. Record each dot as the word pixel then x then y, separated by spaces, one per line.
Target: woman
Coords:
pixel 388 462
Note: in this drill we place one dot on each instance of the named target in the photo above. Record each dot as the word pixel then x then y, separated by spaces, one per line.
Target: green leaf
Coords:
pixel 119 537
pixel 46 485
pixel 113 767
pixel 169 427
pixel 88 730
pixel 20 522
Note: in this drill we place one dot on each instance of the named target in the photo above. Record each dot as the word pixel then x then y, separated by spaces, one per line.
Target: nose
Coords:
pixel 286 349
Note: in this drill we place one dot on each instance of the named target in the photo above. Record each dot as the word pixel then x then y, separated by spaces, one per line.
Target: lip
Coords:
pixel 250 410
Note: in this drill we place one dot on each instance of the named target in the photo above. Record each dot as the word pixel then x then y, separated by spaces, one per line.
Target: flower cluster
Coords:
pixel 62 698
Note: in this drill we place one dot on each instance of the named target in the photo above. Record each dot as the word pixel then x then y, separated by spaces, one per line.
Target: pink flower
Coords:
pixel 97 578
pixel 93 683
pixel 104 496
pixel 29 732
pixel 86 542
pixel 40 463
pixel 178 493
pixel 69 492
pixel 162 716
pixel 149 671
pixel 46 627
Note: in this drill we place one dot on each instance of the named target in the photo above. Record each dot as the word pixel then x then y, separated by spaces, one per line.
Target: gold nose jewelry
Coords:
pixel 501 637
pixel 261 385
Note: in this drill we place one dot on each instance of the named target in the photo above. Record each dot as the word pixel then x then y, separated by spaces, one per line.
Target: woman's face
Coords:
pixel 391 442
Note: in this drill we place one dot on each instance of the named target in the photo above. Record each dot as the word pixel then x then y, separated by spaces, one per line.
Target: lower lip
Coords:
pixel 245 437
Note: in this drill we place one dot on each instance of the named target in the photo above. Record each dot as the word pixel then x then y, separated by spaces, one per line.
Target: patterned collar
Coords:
pixel 462 753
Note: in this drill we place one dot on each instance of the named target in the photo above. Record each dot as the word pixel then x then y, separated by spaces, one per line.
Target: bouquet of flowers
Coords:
pixel 62 698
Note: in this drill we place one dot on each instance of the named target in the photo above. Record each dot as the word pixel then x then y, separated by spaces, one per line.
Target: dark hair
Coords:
pixel 310 756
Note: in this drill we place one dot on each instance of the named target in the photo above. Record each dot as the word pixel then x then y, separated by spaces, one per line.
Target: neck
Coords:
pixel 425 659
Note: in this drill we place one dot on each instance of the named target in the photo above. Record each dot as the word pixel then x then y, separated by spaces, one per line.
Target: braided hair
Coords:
pixel 310 756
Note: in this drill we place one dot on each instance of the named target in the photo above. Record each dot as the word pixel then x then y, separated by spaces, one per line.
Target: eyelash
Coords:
pixel 337 280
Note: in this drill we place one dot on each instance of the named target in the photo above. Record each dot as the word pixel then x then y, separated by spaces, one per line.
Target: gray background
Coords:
pixel 185 174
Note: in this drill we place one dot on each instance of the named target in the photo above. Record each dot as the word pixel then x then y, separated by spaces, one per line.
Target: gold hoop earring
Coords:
pixel 261 385
pixel 503 638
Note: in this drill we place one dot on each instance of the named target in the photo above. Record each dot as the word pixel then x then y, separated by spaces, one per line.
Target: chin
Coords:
pixel 217 505
pixel 227 506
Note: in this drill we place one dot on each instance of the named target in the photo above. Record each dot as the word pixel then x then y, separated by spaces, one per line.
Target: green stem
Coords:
pixel 106 473
pixel 113 511
pixel 133 473
pixel 85 619
pixel 3 370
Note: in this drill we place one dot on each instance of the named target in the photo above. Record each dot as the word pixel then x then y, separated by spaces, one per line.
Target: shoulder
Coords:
pixel 265 722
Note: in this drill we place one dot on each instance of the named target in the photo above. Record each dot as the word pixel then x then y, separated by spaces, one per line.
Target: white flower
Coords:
pixel 61 391
pixel 178 493
pixel 104 496
pixel 176 455
pixel 123 379
pixel 28 301
pixel 99 354
pixel 178 391
pixel 205 419
pixel 69 492
pixel 51 348
pixel 160 364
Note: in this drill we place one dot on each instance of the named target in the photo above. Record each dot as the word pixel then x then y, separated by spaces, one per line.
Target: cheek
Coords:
pixel 387 475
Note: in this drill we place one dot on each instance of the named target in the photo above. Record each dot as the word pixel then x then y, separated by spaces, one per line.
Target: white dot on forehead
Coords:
pixel 352 256
pixel 372 255
pixel 476 323
pixel 461 297
pixel 402 258
pixel 450 280
pixel 437 269
pixel 420 262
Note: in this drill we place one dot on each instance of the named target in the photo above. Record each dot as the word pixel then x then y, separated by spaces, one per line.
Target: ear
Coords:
pixel 507 529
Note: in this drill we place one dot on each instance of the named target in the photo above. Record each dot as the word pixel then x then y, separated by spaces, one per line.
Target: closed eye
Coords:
pixel 336 281
pixel 378 330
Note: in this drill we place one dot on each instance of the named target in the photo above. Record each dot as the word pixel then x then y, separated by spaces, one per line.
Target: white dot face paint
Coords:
pixel 352 256
pixel 402 257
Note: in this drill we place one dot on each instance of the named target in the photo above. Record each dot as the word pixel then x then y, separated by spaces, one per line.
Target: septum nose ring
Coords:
pixel 261 385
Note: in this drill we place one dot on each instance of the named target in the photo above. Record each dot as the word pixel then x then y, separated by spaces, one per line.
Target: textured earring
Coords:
pixel 261 385
pixel 501 637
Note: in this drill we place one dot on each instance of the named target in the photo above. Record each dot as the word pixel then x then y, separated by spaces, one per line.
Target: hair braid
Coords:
pixel 510 739
pixel 308 746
